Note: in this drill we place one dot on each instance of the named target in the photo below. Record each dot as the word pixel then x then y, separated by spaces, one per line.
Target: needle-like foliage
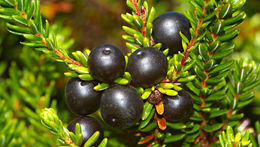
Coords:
pixel 219 86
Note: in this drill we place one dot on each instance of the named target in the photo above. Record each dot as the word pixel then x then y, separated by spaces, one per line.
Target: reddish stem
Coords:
pixel 60 55
pixel 141 14
pixel 214 139
pixel 137 11
pixel 68 141
pixel 166 81
pixel 192 42
pixel 186 53
pixel 228 116
pixel 143 10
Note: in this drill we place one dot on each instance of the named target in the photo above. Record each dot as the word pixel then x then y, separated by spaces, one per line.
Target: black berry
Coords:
pixel 80 96
pixel 166 29
pixel 106 63
pixel 88 127
pixel 121 106
pixel 147 66
pixel 178 108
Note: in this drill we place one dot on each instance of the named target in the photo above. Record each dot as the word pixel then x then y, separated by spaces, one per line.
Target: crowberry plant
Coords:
pixel 174 87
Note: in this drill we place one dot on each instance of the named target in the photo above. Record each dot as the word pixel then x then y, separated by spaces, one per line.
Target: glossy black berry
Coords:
pixel 106 63
pixel 88 127
pixel 178 108
pixel 147 66
pixel 166 29
pixel 80 96
pixel 121 106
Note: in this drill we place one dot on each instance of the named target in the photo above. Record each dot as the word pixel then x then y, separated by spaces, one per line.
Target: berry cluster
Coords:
pixel 121 105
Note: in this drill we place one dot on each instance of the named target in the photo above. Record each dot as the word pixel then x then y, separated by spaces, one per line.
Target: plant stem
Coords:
pixel 57 52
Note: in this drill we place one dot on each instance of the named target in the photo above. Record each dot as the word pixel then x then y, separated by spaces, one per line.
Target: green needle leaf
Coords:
pixel 174 138
pixel 103 143
pixel 92 139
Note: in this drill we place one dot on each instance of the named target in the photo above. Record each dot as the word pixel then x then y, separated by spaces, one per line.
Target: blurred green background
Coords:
pixel 28 76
